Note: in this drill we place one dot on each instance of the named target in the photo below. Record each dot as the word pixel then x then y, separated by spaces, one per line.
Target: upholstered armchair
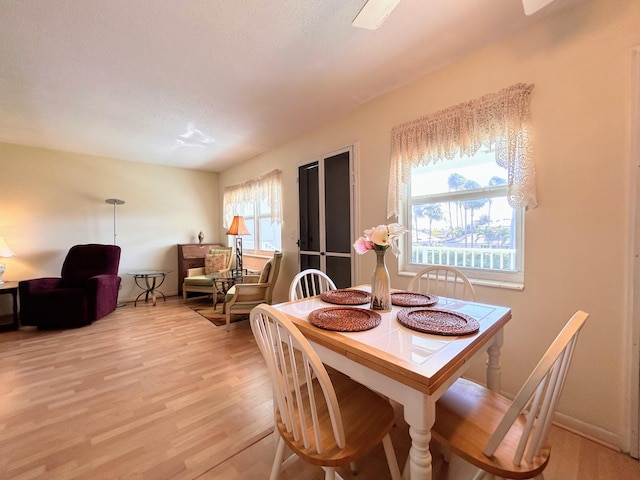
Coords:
pixel 199 280
pixel 253 290
pixel 86 291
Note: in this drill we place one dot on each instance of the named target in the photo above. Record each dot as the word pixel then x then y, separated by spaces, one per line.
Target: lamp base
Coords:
pixel 239 253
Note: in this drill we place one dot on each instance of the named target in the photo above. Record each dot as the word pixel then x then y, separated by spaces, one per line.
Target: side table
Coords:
pixel 151 284
pixel 222 282
pixel 11 288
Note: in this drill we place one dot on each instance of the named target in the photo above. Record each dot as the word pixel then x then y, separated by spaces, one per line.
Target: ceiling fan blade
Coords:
pixel 532 6
pixel 374 13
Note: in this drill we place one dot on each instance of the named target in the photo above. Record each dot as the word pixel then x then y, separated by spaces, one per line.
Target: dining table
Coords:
pixel 409 365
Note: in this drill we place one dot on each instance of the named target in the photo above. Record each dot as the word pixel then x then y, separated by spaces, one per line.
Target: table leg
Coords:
pixel 16 318
pixel 151 289
pixel 420 419
pixel 493 363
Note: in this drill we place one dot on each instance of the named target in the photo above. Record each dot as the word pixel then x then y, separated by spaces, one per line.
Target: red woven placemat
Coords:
pixel 344 319
pixel 441 322
pixel 413 299
pixel 346 296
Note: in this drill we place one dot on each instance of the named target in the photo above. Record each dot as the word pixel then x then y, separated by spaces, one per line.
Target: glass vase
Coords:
pixel 380 285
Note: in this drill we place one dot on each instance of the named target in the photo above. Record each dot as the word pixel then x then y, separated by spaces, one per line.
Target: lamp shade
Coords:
pixel 5 251
pixel 238 227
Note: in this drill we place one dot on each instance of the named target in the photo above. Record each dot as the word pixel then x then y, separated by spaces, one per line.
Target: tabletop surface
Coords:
pixel 7 285
pixel 417 359
pixel 148 273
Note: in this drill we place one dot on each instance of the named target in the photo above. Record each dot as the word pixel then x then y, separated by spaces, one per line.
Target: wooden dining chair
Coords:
pixel 503 438
pixel 443 281
pixel 325 420
pixel 309 283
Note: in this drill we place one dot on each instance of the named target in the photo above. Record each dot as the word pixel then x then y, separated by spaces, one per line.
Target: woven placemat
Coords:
pixel 346 296
pixel 413 299
pixel 441 322
pixel 344 319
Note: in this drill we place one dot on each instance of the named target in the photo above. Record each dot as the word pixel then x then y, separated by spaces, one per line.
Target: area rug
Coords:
pixel 215 316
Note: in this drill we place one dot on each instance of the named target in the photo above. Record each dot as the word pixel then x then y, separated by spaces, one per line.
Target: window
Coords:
pixel 259 202
pixel 459 215
pixel 465 175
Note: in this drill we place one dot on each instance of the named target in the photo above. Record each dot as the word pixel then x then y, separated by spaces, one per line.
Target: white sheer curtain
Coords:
pixel 498 120
pixel 266 188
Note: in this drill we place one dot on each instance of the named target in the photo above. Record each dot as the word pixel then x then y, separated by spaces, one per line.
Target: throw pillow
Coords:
pixel 214 262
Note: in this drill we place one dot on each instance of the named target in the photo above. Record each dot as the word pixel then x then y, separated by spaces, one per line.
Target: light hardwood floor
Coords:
pixel 161 393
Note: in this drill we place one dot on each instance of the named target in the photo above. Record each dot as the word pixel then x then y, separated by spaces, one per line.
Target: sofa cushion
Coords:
pixel 214 262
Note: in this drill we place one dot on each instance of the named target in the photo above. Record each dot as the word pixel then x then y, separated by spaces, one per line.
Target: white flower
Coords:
pixel 380 238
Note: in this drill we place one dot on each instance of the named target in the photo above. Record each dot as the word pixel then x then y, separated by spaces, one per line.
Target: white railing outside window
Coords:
pixel 500 259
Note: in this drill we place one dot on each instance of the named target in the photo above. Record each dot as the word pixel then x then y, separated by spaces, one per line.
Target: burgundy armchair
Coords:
pixel 87 290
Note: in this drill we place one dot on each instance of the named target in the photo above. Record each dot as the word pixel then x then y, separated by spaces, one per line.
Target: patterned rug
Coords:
pixel 205 308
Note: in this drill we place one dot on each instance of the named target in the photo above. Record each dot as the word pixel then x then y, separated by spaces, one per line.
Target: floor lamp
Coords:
pixel 115 202
pixel 238 228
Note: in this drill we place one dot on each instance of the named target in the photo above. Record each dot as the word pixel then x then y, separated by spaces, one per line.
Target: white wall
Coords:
pixel 53 200
pixel 576 241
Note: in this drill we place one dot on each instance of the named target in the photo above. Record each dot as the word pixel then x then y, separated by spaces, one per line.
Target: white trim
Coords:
pixel 633 291
pixel 353 150
pixel 478 281
pixel 355 206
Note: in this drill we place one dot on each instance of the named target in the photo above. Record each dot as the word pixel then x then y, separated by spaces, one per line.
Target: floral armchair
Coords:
pixel 198 280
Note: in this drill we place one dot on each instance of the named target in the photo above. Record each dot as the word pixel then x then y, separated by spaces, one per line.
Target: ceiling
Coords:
pixel 206 84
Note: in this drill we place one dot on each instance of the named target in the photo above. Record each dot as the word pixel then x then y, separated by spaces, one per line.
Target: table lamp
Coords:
pixel 238 228
pixel 5 252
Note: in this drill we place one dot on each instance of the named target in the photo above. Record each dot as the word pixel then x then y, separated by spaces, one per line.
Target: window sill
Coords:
pixel 482 282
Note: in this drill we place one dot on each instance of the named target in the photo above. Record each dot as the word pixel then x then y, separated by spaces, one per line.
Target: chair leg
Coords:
pixel 353 466
pixel 228 320
pixel 329 473
pixel 391 457
pixel 277 461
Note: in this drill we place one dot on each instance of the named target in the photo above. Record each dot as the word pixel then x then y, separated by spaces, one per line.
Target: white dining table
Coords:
pixel 410 367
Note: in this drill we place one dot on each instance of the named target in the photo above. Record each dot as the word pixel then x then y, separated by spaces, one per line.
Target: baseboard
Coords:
pixel 591 432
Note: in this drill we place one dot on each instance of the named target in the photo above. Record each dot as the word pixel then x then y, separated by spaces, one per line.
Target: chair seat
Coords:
pixel 199 280
pixel 466 417
pixel 367 418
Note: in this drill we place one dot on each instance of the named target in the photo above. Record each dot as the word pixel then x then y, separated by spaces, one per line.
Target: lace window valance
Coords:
pixel 498 120
pixel 266 188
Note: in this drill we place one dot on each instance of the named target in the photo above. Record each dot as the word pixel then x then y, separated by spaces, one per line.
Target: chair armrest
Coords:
pixel 251 278
pixel 248 293
pixel 102 282
pixel 39 284
pixel 194 272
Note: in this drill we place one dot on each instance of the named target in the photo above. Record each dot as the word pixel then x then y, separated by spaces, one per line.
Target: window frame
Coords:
pixel 249 196
pixel 479 276
pixel 255 235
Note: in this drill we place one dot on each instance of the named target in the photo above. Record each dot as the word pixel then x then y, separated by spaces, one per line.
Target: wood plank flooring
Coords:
pixel 161 393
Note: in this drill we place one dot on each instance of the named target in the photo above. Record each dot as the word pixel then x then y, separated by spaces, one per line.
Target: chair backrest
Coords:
pixel 85 261
pixel 219 259
pixel 443 281
pixel 294 366
pixel 270 273
pixel 538 398
pixel 309 283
